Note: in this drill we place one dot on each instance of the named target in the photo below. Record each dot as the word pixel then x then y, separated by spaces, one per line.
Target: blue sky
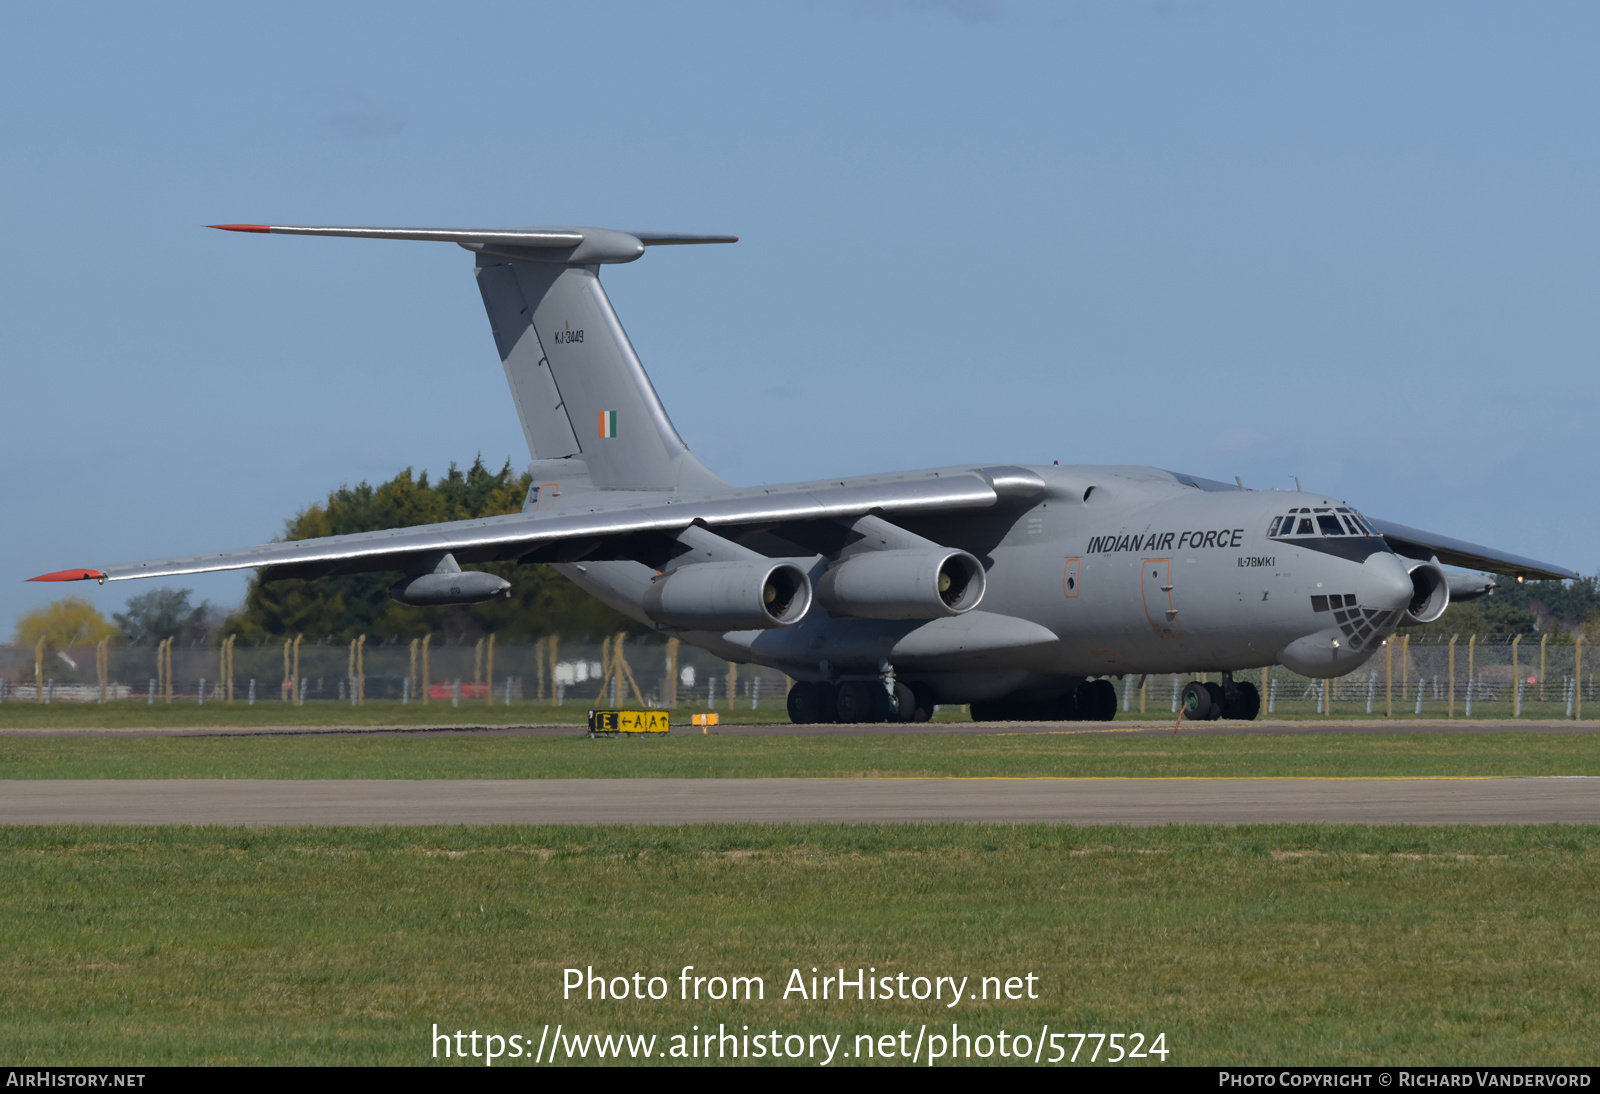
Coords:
pixel 1358 243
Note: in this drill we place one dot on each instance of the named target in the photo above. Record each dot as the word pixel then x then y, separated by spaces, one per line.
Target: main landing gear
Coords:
pixel 856 701
pixel 1091 701
pixel 1237 702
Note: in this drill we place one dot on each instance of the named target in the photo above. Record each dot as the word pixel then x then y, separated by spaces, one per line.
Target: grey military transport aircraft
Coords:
pixel 1022 590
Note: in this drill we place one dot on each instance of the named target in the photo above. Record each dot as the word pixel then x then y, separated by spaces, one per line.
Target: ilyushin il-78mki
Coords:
pixel 1022 590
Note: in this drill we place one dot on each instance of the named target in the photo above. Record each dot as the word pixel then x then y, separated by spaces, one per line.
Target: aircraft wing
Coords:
pixel 575 535
pixel 1455 552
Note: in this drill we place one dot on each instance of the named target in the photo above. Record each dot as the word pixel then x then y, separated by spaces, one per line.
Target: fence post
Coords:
pixel 251 701
pixel 350 672
pixel 1577 677
pixel 1388 677
pixel 733 683
pixel 1127 693
pixel 488 675
pixel 1516 676
pixel 477 662
pixel 1144 688
pixel 1372 688
pixel 1272 696
pixel 554 649
pixel 103 664
pixel 361 670
pixel 1544 640
pixel 169 667
pixel 538 666
pixel 286 689
pixel 669 683
pixel 297 687
pixel 1472 668
pixel 38 671
pixel 1175 688
pixel 1452 696
pixel 1405 666
pixel 426 679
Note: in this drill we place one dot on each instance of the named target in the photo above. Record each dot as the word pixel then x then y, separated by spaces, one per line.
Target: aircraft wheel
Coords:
pixel 1101 704
pixel 1246 703
pixel 805 702
pixel 1196 702
pixel 883 705
pixel 905 704
pixel 855 701
pixel 992 711
pixel 1219 703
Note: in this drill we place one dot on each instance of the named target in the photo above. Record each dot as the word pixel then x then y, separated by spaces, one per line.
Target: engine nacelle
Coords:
pixel 729 596
pixel 1430 591
pixel 923 583
pixel 458 587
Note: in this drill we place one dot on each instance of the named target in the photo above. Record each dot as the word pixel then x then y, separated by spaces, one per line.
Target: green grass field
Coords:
pixel 1268 945
pixel 1102 754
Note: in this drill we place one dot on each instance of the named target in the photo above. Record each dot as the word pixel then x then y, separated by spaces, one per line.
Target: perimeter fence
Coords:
pixel 1428 676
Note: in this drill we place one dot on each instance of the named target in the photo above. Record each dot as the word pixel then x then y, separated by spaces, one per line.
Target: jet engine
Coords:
pixel 729 596
pixel 1430 591
pixel 922 583
pixel 456 587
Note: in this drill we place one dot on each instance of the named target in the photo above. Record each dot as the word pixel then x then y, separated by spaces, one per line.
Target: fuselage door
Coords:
pixel 1155 582
pixel 1071 577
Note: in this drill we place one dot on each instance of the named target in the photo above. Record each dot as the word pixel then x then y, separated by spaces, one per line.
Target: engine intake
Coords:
pixel 1430 591
pixel 930 583
pixel 729 596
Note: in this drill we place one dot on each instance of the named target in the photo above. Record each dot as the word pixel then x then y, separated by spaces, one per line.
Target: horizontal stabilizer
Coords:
pixel 574 245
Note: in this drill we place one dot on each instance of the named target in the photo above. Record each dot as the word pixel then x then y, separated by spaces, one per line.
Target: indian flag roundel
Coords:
pixel 608 423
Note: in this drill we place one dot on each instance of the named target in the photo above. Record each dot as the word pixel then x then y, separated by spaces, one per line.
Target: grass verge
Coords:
pixel 1262 945
pixel 695 756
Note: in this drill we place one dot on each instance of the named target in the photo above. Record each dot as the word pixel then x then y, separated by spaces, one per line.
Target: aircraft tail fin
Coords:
pixel 579 387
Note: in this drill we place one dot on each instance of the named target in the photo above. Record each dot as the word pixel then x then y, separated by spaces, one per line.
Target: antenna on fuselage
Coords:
pixel 1298 489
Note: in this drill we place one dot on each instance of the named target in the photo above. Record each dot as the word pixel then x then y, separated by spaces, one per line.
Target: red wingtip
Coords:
pixel 71 575
pixel 241 227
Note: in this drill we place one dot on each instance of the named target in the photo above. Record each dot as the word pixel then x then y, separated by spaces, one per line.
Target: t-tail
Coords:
pixel 579 388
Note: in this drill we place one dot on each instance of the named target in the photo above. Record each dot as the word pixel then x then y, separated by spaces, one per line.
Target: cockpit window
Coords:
pixel 1326 522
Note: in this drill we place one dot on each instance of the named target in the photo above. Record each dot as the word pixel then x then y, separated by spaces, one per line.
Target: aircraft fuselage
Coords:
pixel 1111 570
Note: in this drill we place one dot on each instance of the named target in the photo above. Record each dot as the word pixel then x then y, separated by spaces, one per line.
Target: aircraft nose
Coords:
pixel 1384 584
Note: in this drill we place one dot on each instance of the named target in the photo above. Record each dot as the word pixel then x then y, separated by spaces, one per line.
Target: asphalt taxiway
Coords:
pixel 259 802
